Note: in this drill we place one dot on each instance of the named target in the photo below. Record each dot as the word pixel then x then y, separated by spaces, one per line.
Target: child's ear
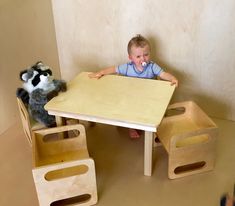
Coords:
pixel 130 58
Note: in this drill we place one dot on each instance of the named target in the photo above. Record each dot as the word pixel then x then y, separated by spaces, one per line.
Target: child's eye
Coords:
pixel 146 55
pixel 137 56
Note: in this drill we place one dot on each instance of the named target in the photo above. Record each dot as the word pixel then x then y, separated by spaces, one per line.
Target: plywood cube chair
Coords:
pixel 63 172
pixel 189 139
pixel 28 123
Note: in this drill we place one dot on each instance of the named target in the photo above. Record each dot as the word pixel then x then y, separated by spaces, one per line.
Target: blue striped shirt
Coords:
pixel 150 71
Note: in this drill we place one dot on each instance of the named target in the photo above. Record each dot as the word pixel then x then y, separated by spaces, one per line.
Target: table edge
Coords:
pixel 149 128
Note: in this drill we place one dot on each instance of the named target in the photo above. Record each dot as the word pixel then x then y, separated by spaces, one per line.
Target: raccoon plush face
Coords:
pixel 39 76
pixel 39 87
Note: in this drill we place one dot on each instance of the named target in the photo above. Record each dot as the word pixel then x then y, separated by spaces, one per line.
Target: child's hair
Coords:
pixel 137 41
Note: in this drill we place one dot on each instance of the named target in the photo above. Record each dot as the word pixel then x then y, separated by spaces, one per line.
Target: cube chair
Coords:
pixel 28 124
pixel 63 172
pixel 189 139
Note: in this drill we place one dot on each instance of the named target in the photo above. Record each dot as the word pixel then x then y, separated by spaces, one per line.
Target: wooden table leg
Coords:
pixel 148 150
pixel 60 121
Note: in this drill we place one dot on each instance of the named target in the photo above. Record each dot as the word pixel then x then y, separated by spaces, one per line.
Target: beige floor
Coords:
pixel 119 168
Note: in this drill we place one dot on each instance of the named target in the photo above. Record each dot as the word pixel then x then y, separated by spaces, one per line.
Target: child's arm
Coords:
pixel 169 77
pixel 110 70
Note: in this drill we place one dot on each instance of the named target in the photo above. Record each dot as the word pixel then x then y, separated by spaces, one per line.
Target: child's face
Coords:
pixel 138 55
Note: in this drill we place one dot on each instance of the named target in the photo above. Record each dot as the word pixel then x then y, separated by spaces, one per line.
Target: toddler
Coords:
pixel 139 66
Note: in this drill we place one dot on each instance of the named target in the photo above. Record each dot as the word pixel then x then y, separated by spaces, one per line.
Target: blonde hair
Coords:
pixel 137 41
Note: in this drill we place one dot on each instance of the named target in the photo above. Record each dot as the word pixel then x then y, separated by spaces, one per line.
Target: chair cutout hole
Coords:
pixel 61 135
pixel 174 111
pixel 193 140
pixel 23 113
pixel 66 172
pixel 72 200
pixel 189 167
pixel 27 134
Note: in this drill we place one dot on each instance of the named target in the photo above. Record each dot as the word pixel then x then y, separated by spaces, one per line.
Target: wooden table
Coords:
pixel 116 100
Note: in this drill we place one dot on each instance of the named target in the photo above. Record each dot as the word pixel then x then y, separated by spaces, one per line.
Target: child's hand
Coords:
pixel 169 77
pixel 175 82
pixel 96 75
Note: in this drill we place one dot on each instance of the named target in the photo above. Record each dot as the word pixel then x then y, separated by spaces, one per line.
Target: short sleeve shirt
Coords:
pixel 150 71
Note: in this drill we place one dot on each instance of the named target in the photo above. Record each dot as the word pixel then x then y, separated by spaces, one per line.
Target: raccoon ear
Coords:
pixel 24 75
pixel 48 71
pixel 40 63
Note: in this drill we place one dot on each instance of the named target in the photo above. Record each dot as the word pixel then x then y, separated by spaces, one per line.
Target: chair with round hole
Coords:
pixel 189 138
pixel 63 172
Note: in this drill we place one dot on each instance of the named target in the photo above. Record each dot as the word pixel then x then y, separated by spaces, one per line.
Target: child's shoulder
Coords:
pixel 152 62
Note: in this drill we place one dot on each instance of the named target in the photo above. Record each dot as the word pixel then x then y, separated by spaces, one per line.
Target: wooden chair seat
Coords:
pixel 36 125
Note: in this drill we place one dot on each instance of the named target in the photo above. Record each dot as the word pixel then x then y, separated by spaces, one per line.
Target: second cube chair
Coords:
pixel 62 170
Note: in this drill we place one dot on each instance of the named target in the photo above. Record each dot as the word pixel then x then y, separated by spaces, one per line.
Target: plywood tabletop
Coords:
pixel 116 100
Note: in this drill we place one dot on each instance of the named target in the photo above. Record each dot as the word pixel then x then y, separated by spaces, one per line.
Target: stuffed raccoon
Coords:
pixel 38 88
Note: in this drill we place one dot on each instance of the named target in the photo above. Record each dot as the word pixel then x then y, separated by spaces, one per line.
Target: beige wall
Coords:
pixel 192 39
pixel 26 36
